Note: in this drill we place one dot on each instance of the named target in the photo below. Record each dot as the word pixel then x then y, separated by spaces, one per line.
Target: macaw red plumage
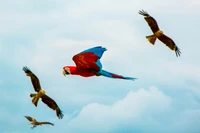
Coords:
pixel 88 64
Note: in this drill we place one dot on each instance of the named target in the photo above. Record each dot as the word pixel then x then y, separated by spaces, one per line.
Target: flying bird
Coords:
pixel 157 33
pixel 88 64
pixel 35 123
pixel 41 94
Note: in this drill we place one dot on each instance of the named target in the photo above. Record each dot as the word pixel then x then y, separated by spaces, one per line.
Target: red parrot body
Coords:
pixel 88 64
pixel 83 73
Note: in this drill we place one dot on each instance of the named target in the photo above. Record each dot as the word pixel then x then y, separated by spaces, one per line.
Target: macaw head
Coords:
pixel 68 70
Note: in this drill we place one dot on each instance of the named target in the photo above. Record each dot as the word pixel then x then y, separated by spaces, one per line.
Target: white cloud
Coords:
pixel 56 53
pixel 118 36
pixel 181 69
pixel 133 107
pixel 88 7
pixel 194 3
pixel 187 121
pixel 144 111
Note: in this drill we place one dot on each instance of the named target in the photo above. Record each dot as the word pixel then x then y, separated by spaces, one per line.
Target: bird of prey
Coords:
pixel 41 94
pixel 157 33
pixel 35 123
pixel 88 64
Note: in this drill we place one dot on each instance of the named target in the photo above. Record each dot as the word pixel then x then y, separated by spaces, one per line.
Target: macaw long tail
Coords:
pixel 112 75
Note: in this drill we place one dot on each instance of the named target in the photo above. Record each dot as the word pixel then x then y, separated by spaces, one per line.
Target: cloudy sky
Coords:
pixel 44 36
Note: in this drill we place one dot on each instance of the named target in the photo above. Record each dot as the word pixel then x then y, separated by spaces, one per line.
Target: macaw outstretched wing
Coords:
pixel 89 58
pixel 112 75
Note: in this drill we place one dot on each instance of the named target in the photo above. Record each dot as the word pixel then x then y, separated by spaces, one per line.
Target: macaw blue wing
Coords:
pixel 112 75
pixel 89 58
pixel 98 50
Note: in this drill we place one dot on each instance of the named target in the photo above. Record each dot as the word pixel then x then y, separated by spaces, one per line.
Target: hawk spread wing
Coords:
pixel 47 123
pixel 35 81
pixel 150 20
pixel 29 118
pixel 170 43
pixel 53 105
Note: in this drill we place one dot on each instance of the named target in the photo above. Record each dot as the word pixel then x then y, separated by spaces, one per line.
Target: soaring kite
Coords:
pixel 36 123
pixel 157 33
pixel 88 64
pixel 41 94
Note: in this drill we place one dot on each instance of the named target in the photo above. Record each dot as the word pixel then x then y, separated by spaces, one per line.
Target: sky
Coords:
pixel 45 35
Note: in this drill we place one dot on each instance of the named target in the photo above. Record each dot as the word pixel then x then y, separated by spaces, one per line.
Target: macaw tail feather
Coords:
pixel 151 39
pixel 35 99
pixel 112 75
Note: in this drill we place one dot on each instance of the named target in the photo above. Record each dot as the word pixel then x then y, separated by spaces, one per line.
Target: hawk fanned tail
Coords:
pixel 35 100
pixel 151 39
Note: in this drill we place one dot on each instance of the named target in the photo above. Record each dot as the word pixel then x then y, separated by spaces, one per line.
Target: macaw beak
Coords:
pixel 64 72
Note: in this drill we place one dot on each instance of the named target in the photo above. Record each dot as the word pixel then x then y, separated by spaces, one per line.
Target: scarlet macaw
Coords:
pixel 88 64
